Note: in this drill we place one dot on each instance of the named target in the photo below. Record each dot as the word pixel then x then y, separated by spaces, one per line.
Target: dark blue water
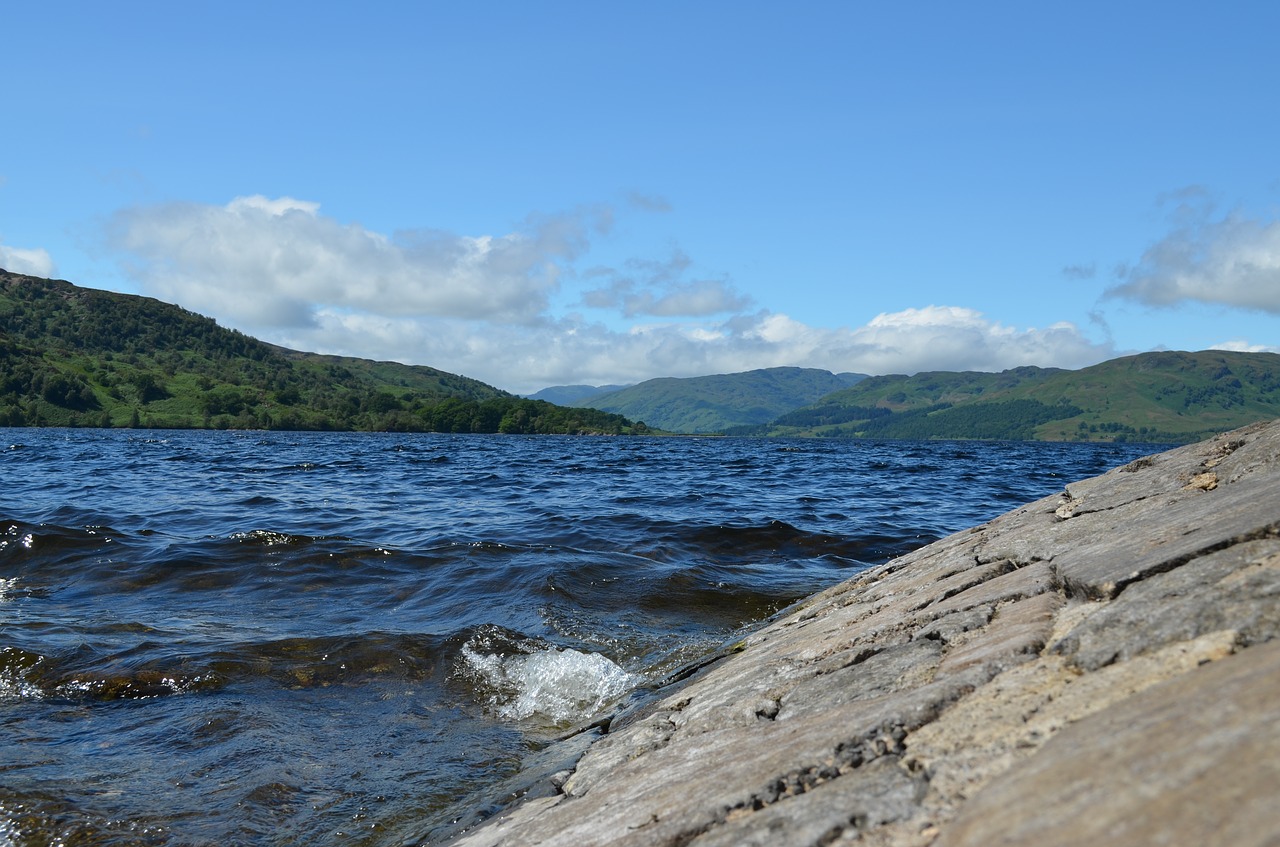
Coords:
pixel 319 639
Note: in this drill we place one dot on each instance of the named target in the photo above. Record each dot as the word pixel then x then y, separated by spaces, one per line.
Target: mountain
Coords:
pixel 573 395
pixel 707 404
pixel 1163 397
pixel 72 356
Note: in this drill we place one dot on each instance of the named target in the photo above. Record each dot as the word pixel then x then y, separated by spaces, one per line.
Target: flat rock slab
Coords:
pixel 1194 760
pixel 1096 667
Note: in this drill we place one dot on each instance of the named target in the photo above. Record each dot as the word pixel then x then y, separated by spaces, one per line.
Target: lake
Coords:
pixel 215 638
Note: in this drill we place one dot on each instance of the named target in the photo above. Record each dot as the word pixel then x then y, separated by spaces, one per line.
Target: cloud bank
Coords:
pixel 658 288
pixel 33 262
pixel 482 306
pixel 1233 260
pixel 276 263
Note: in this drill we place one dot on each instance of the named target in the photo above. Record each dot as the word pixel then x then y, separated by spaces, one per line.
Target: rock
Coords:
pixel 1194 760
pixel 1235 588
pixel 1101 666
pixel 880 793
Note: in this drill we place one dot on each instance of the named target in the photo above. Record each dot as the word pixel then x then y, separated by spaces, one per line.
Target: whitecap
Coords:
pixel 556 684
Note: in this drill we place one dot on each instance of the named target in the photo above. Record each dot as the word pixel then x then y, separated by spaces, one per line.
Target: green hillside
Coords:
pixel 72 356
pixel 707 404
pixel 573 395
pixel 1166 397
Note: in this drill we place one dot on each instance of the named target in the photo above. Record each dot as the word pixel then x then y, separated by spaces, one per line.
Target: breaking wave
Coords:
pixel 524 679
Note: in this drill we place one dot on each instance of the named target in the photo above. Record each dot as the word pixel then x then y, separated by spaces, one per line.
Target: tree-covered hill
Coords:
pixel 72 356
pixel 1164 397
pixel 708 404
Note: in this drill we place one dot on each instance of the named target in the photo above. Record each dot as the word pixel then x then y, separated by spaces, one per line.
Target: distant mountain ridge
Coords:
pixel 573 395
pixel 1160 397
pixel 712 404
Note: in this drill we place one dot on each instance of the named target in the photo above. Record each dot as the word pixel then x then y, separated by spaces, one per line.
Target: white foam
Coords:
pixel 560 685
pixel 15 686
pixel 9 831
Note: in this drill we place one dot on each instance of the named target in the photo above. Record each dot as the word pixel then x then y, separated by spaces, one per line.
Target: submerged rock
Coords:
pixel 1097 667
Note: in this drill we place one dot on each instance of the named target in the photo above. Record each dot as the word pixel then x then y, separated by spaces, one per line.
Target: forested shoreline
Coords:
pixel 80 357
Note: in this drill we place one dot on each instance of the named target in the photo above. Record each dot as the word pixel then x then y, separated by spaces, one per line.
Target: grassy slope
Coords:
pixel 1193 395
pixel 74 356
pixel 713 403
pixel 1167 396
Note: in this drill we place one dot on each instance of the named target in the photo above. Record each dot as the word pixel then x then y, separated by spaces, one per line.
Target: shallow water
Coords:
pixel 315 639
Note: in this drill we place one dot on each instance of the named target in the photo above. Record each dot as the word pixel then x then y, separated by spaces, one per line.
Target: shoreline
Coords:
pixel 1100 664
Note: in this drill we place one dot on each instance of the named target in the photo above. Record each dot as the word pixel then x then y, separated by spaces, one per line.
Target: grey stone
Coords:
pixel 1017 633
pixel 891 669
pixel 1195 760
pixel 1016 583
pixel 879 793
pixel 1236 588
pixel 1157 536
pixel 951 626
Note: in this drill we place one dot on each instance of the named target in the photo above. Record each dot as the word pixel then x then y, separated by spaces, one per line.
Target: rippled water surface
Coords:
pixel 318 639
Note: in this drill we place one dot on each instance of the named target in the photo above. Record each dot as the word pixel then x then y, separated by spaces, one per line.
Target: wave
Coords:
pixel 249 638
pixel 513 676
pixel 530 680
pixel 160 666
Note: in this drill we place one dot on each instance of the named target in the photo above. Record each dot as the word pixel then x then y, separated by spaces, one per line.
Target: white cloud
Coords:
pixel 956 339
pixel 526 358
pixel 481 305
pixel 649 202
pixel 277 207
pixel 1239 345
pixel 930 338
pixel 1088 271
pixel 658 288
pixel 1233 261
pixel 262 263
pixel 33 262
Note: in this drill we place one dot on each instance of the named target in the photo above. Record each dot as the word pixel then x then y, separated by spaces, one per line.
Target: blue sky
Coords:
pixel 549 193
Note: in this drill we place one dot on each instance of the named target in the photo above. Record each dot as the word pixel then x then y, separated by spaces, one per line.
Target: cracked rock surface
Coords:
pixel 1097 667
